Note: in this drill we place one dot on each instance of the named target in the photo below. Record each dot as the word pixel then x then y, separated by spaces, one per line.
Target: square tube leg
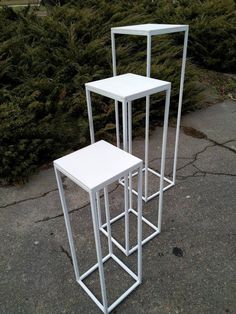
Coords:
pixel 113 49
pixel 98 250
pixel 130 151
pixel 99 209
pixel 108 218
pixel 163 157
pixel 148 73
pixel 126 192
pixel 67 222
pixel 180 104
pixel 146 148
pixel 149 53
pixel 117 124
pixel 90 116
pixel 125 126
pixel 139 231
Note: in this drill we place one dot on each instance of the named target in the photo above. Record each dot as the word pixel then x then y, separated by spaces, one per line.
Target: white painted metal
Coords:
pixel 127 87
pixel 180 103
pixel 130 126
pixel 163 156
pixel 67 222
pixel 149 53
pixel 144 241
pixel 111 164
pixel 108 218
pixel 126 215
pixel 157 229
pixel 146 148
pixel 117 124
pixel 124 117
pixel 90 117
pixel 99 249
pixel 113 48
pixel 123 87
pixel 150 30
pixel 116 102
pixel 100 158
pixel 99 209
pixel 94 267
pixel 139 235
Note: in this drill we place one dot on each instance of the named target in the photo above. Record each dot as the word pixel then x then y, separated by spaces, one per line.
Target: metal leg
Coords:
pixel 108 218
pixel 139 231
pixel 130 191
pixel 99 251
pixel 180 104
pixel 117 123
pixel 124 117
pixel 90 116
pixel 149 48
pixel 148 73
pixel 67 222
pixel 163 157
pixel 126 215
pixel 130 126
pixel 146 148
pixel 130 149
pixel 113 48
pixel 99 209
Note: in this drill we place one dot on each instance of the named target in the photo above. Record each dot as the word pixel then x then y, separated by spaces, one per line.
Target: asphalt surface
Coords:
pixel 188 268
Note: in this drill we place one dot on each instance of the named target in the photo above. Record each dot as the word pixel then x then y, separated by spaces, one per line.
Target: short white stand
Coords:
pixel 150 30
pixel 126 88
pixel 93 168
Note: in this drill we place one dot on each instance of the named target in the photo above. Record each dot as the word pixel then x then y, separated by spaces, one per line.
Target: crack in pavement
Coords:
pixel 198 134
pixel 74 209
pixel 29 199
pixel 63 250
pixel 61 215
pixel 188 131
pixel 204 173
pixel 194 159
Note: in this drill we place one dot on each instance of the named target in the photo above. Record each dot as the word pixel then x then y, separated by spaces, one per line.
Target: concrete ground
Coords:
pixel 188 268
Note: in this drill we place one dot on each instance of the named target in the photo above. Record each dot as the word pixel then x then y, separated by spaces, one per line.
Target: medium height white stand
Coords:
pixel 150 30
pixel 126 88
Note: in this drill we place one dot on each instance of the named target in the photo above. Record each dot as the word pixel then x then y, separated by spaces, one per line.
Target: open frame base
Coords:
pixel 146 198
pixel 128 251
pixel 122 297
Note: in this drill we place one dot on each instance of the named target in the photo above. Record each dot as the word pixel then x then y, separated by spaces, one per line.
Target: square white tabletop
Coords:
pixel 127 87
pixel 149 29
pixel 96 165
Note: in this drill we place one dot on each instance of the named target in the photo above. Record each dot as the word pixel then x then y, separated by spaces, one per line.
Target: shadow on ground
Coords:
pixel 188 268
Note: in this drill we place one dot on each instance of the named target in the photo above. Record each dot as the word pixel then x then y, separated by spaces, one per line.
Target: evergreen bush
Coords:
pixel 45 62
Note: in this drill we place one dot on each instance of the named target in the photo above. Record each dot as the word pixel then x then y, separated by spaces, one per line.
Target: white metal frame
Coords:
pixel 127 146
pixel 149 33
pixel 95 209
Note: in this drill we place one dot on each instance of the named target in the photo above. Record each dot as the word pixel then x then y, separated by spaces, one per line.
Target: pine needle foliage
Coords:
pixel 45 62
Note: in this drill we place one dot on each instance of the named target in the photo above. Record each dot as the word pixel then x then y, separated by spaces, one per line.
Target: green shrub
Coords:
pixel 212 32
pixel 44 63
